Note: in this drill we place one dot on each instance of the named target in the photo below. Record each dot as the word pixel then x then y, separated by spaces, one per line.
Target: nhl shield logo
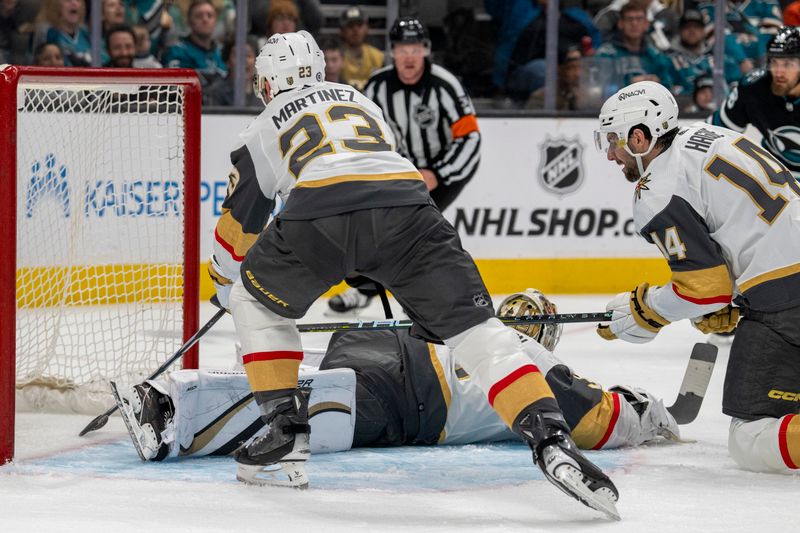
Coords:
pixel 561 166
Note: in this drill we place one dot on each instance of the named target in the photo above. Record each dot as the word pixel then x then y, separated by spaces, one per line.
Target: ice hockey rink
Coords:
pixel 62 482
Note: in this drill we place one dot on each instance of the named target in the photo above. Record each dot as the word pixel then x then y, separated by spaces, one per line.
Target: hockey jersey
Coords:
pixel 726 215
pixel 330 147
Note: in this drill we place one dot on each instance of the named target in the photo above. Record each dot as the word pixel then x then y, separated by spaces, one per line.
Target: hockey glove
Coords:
pixel 632 319
pixel 722 321
pixel 221 283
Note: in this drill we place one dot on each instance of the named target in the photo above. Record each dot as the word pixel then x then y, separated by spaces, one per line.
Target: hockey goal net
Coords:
pixel 99 184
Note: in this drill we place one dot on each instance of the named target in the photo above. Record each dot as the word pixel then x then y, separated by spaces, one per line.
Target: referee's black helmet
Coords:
pixel 409 30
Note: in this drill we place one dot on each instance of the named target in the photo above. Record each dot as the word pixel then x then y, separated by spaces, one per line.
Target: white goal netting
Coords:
pixel 100 238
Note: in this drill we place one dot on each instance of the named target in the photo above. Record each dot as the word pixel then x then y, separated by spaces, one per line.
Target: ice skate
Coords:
pixel 349 303
pixel 278 458
pixel 148 415
pixel 563 464
pixel 656 421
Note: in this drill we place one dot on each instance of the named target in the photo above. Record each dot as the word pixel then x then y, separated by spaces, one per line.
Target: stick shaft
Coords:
pixel 405 324
pixel 100 420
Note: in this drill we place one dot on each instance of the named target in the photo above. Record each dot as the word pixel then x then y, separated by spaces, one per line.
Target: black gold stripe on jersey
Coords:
pixel 589 411
pixel 699 271
pixel 704 286
pixel 343 194
pixel 773 291
pixel 245 210
pixel 442 378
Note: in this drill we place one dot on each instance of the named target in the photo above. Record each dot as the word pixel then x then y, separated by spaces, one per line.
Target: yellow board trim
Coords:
pixel 769 276
pixel 358 177
pixel 551 276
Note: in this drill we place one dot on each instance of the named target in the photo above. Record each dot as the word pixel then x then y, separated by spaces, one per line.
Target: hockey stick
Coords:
pixel 695 383
pixel 405 324
pixel 101 420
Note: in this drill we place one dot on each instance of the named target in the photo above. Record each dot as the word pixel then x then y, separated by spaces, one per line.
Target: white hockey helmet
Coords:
pixel 288 61
pixel 529 303
pixel 645 102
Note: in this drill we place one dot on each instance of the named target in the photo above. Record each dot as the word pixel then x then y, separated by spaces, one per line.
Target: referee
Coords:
pixel 430 112
pixel 433 122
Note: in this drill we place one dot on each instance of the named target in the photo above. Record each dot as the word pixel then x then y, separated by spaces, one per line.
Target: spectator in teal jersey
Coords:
pixel 65 18
pixel 155 15
pixel 634 59
pixel 692 55
pixel 198 50
pixel 751 22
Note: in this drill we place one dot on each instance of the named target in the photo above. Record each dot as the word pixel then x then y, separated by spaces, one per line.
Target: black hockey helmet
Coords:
pixel 409 30
pixel 785 43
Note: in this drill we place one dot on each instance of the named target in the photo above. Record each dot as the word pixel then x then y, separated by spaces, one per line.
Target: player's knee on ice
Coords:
pixel 761 445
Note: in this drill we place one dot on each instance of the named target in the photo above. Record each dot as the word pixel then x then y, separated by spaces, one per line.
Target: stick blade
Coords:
pixel 695 383
pixel 95 424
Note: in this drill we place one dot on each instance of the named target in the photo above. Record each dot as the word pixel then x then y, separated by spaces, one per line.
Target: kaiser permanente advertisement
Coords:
pixel 545 209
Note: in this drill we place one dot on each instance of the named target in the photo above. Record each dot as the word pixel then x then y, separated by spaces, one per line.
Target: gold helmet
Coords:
pixel 530 303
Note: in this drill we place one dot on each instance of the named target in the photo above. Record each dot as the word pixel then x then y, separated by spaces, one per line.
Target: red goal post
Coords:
pixel 99 248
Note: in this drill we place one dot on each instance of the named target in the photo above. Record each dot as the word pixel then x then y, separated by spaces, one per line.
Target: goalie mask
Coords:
pixel 531 303
pixel 288 61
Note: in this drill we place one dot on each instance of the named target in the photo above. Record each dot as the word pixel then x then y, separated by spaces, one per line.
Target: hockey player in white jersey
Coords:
pixel 357 207
pixel 368 392
pixel 725 213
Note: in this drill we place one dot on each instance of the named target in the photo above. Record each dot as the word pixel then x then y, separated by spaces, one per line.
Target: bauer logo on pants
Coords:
pixel 561 166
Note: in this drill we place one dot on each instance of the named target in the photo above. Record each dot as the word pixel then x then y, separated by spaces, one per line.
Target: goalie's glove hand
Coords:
pixel 632 319
pixel 722 321
pixel 221 283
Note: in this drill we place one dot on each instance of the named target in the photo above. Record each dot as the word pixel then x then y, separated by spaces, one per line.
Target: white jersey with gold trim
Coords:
pixel 726 215
pixel 330 145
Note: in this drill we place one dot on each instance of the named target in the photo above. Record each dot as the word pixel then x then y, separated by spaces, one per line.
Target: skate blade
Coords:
pixel 126 411
pixel 570 480
pixel 286 474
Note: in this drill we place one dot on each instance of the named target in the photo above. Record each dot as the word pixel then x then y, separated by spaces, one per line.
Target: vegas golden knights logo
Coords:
pixel 561 165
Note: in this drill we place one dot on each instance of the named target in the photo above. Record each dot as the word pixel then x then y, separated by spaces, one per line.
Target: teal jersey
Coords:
pixel 752 22
pixel 76 49
pixel 627 64
pixel 207 63
pixel 688 65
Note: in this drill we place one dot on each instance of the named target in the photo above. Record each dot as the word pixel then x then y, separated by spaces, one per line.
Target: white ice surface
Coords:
pixel 60 482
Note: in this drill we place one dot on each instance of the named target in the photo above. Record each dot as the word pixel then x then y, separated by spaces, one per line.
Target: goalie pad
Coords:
pixel 215 412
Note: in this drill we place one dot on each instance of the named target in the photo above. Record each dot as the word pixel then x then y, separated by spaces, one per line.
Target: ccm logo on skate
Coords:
pixel 781 395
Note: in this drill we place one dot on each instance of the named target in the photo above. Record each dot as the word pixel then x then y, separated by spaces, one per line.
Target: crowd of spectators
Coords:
pixel 497 47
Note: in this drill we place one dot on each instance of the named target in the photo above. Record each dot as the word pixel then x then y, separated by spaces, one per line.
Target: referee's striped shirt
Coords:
pixel 433 121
